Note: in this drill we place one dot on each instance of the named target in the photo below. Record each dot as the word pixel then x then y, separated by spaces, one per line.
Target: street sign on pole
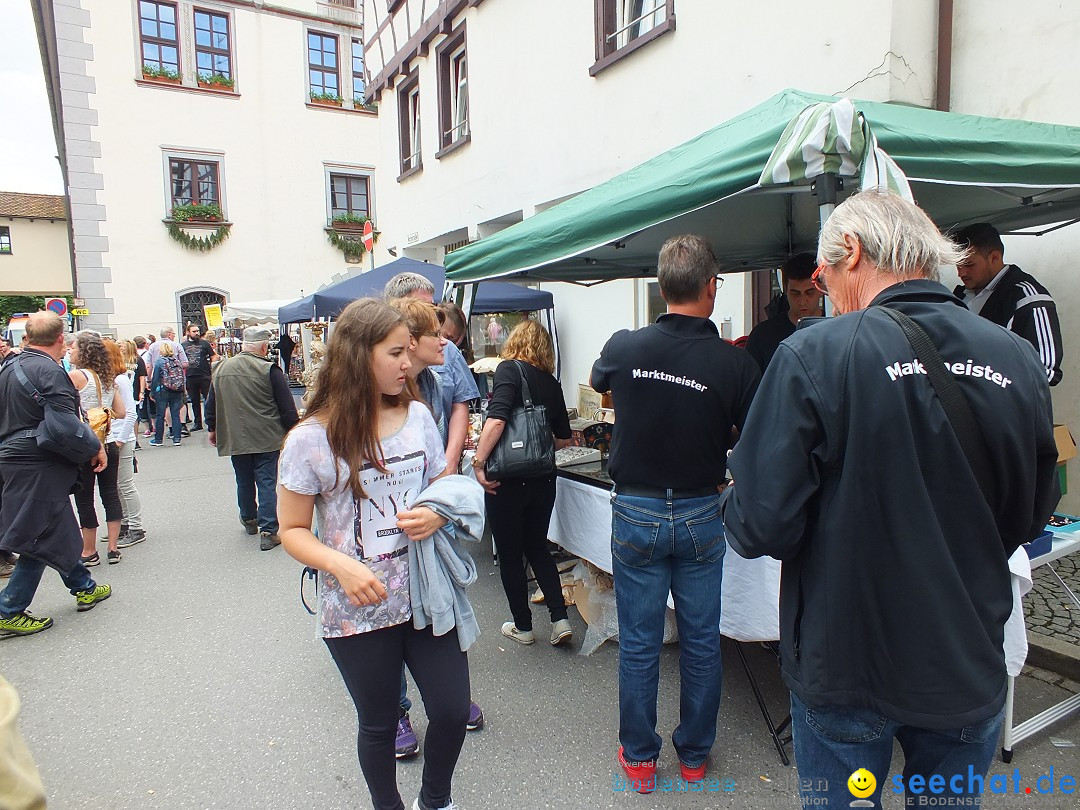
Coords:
pixel 57 305
pixel 80 312
pixel 369 235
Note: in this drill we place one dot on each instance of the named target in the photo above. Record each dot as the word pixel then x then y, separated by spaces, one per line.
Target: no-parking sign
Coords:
pixel 57 305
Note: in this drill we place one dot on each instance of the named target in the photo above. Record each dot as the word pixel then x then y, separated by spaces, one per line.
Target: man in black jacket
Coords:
pixel 895 587
pixel 36 520
pixel 803 299
pixel 1006 295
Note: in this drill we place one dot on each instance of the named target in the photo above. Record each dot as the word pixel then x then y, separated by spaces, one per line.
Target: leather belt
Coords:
pixel 666 494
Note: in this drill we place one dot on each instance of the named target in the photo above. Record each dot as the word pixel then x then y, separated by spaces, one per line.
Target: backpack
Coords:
pixel 172 375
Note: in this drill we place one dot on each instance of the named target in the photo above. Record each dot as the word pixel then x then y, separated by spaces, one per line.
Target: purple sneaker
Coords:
pixel 406 745
pixel 476 718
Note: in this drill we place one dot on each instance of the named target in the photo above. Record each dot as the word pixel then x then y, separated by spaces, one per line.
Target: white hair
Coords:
pixel 405 284
pixel 896 236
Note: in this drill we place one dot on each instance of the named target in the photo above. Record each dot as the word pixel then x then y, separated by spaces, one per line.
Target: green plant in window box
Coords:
pixel 325 99
pixel 348 222
pixel 340 234
pixel 360 104
pixel 160 74
pixel 197 212
pixel 216 81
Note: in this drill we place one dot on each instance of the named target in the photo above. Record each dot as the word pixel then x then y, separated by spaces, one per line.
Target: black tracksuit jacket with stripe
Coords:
pixel 1024 306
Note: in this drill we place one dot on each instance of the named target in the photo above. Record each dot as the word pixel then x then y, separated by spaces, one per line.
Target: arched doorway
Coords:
pixel 190 303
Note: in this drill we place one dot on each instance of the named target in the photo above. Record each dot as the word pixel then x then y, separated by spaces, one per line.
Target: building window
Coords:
pixel 622 26
pixel 5 239
pixel 323 65
pixel 409 124
pixel 192 303
pixel 349 195
pixel 194 182
pixel 212 52
pixel 158 36
pixel 358 72
pixel 453 90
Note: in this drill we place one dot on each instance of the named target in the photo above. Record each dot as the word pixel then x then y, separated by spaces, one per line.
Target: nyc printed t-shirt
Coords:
pixel 365 529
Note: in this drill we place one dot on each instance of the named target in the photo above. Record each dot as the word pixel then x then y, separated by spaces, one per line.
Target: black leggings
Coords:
pixel 107 490
pixel 519 513
pixel 370 664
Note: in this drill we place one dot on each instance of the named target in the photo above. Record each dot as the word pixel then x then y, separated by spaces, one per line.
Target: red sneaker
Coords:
pixel 642 774
pixel 692 774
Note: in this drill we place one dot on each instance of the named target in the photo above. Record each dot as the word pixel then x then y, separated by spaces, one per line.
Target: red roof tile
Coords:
pixel 42 206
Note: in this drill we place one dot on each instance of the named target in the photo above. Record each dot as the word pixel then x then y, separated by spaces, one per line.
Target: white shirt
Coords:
pixel 123 430
pixel 976 300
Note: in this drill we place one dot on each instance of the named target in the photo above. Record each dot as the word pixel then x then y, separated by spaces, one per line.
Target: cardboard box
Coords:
pixel 581 599
pixel 590 400
pixel 1066 444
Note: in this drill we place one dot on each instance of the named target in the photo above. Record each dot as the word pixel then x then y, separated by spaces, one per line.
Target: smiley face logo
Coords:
pixel 861 783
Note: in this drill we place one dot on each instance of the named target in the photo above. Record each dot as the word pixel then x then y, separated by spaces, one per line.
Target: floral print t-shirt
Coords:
pixel 365 529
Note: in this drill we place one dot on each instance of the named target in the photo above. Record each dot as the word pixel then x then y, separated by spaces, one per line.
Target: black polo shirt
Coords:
pixel 678 389
pixel 766 337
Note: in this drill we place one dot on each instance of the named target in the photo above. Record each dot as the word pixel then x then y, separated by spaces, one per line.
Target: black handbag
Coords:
pixel 526 448
pixel 64 434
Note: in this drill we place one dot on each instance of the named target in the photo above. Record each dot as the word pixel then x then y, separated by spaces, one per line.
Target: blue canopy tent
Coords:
pixel 502 296
pixel 328 302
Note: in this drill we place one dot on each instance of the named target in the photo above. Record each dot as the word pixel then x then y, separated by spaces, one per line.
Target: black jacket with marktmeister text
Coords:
pixel 895 586
pixel 1024 306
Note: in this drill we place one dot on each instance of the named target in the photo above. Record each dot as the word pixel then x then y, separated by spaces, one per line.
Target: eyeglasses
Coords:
pixel 818 280
pixel 719 281
pixel 430 334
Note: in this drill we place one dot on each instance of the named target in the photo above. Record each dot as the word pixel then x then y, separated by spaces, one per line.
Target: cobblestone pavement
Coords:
pixel 1047 609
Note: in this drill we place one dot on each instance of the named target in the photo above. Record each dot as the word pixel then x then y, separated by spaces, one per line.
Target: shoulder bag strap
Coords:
pixel 956 405
pixel 526 394
pixel 100 390
pixel 25 383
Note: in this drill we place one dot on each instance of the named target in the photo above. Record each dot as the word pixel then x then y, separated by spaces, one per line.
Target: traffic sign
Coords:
pixel 369 235
pixel 80 312
pixel 57 305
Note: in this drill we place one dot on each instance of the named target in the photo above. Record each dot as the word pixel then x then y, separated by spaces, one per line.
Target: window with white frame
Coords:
pixel 5 239
pixel 624 25
pixel 453 89
pixel 409 124
pixel 194 178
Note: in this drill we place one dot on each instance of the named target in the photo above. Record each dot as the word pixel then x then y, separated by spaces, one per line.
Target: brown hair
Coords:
pixel 530 342
pixel 94 356
pixel 452 312
pixel 116 355
pixel 420 317
pixel 346 400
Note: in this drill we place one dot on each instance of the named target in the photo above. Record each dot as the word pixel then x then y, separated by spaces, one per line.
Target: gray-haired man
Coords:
pixel 895 586
pixel 248 412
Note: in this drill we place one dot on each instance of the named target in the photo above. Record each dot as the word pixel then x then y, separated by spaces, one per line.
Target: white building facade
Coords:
pixel 177 108
pixel 563 95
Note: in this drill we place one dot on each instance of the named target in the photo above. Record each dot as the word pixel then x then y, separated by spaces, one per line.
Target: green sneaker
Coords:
pixel 85 600
pixel 23 624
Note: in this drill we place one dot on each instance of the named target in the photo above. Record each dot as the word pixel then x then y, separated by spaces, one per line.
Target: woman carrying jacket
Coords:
pixel 519 509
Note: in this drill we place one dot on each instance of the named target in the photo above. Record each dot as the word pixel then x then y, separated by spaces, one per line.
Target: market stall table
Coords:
pixel 750 591
pixel 1063 545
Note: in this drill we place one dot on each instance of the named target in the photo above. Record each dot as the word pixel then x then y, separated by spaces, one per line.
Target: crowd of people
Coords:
pixel 895 587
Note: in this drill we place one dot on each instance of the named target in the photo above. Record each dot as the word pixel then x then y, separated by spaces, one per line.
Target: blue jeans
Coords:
pixel 26 577
pixel 257 473
pixel 833 743
pixel 171 400
pixel 658 546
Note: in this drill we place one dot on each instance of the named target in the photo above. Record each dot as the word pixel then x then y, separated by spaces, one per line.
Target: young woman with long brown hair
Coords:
pixel 361 455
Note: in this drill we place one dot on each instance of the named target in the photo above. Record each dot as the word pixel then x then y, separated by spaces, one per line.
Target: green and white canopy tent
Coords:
pixel 757 198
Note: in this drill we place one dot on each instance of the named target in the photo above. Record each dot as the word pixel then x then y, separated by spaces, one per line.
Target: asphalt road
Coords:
pixel 202 684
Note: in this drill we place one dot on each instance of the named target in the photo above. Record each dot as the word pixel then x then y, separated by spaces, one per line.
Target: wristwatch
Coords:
pixel 476 462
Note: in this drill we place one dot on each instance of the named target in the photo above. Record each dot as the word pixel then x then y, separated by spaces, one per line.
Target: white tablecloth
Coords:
pixel 750 595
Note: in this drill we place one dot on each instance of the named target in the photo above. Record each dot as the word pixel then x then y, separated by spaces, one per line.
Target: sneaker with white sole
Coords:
pixel 560 632
pixel 405 744
pixel 419 805
pixel 132 538
pixel 510 630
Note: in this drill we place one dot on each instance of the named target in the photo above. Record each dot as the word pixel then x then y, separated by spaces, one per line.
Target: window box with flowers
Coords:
pixel 198 216
pixel 162 75
pixel 325 99
pixel 216 81
pixel 343 234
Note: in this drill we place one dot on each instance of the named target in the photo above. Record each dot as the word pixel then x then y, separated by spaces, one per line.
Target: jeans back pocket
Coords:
pixel 633 538
pixel 707 534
